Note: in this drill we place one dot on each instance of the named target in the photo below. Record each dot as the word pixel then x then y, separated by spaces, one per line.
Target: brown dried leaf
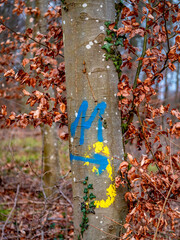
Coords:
pixel 175 113
pixel 123 167
pixel 177 39
pixel 12 116
pixel 150 16
pixel 26 93
pixel 63 107
pixel 3 110
pixel 172 66
pixel 38 94
pixel 9 73
pixel 25 62
pixel 111 26
pixel 63 133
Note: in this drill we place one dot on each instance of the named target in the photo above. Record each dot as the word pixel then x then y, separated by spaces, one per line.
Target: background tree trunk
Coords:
pixel 29 54
pixel 166 100
pixel 50 155
pixel 177 97
pixel 92 81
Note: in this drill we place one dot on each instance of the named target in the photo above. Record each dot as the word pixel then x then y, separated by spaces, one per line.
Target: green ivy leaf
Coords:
pixel 108 56
pixel 115 63
pixel 60 237
pixel 108 39
pixel 52 226
pixel 116 27
pixel 85 190
pixel 107 23
pixel 124 127
pixel 85 198
pixel 120 61
pixel 91 196
pixel 92 204
pixel 90 186
pixel 119 73
pixel 83 210
pixel 82 230
pixel 107 47
pixel 108 31
pixel 119 42
pixel 85 220
pixel 86 226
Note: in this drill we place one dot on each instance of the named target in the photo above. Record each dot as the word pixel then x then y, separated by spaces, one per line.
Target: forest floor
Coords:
pixel 24 211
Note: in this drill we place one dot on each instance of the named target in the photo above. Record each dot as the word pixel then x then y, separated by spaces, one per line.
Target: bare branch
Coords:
pixel 159 221
pixel 12 210
pixel 65 197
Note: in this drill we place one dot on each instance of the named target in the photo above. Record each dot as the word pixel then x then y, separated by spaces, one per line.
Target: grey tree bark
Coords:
pixel 92 86
pixel 177 97
pixel 50 155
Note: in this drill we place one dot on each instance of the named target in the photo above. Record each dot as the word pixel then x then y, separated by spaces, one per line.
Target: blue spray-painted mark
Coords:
pixel 102 161
pixel 87 124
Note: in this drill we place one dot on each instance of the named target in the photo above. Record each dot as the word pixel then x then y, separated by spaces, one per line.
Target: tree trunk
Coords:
pixel 166 100
pixel 177 98
pixel 29 55
pixel 50 155
pixel 94 120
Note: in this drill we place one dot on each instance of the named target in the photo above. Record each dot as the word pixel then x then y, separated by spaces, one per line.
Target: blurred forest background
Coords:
pixel 35 194
pixel 27 211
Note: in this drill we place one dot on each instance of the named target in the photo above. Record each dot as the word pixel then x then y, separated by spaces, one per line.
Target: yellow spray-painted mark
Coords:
pixel 111 190
pixel 95 170
pixel 86 163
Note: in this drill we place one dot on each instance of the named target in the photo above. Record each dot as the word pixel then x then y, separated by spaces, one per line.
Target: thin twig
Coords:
pixel 63 177
pixel 25 202
pixel 37 175
pixel 12 210
pixel 113 221
pixel 162 69
pixel 112 235
pixel 156 45
pixel 42 165
pixel 166 34
pixel 42 234
pixel 162 135
pixel 159 221
pixel 138 72
pixel 149 147
pixel 65 197
pixel 155 21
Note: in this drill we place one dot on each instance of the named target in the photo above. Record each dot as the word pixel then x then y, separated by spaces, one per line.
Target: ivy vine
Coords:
pixel 87 206
pixel 111 46
pixel 113 41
